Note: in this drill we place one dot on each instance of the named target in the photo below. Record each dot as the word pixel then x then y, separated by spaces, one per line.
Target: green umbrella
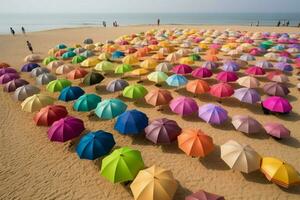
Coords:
pixel 48 60
pixel 110 108
pixel 68 54
pixel 104 66
pixel 195 57
pixel 267 44
pixel 123 68
pixel 78 59
pixel 122 165
pixel 70 49
pixel 135 91
pixel 157 77
pixel 92 78
pixel 58 85
pixel 86 102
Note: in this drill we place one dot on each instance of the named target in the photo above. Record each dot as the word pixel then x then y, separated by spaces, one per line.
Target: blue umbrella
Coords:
pixel 61 46
pixel 131 122
pixel 29 67
pixel 95 144
pixel 176 80
pixel 86 102
pixel 117 54
pixel 70 93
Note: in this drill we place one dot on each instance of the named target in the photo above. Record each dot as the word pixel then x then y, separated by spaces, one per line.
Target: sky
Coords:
pixel 153 6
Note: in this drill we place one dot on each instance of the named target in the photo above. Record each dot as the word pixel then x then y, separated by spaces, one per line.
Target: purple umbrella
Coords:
pixel 210 65
pixel 277 130
pixel 202 72
pixel 231 66
pixel 116 85
pixel 65 129
pixel 276 89
pixel 8 77
pixel 7 70
pixel 212 114
pixel 163 131
pixel 183 105
pixel 284 67
pixel 246 124
pixel 247 95
pixel 29 67
pixel 12 85
pixel 277 104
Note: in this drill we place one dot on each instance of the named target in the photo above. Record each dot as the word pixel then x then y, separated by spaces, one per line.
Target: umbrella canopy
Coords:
pixel 135 91
pixel 65 129
pixel 164 67
pixel 64 69
pixel 227 76
pixel 89 62
pixel 231 66
pixel 92 78
pixel 36 102
pixel 38 71
pixel 158 97
pixel 256 71
pixel 58 85
pixel 117 55
pixel 277 104
pixel 162 131
pixel 104 66
pixel 176 80
pixel 276 89
pixel 248 81
pixel 12 85
pixel 130 60
pixel 52 66
pixel 86 102
pixel 139 72
pixel 70 93
pixel 77 74
pixel 5 78
pixel 123 68
pixel 183 106
pixel 110 108
pixel 154 183
pixel 45 78
pixel 21 93
pixel 195 143
pixel 210 65
pixel 203 195
pixel 182 69
pixel 88 41
pixel 202 72
pixel 247 95
pixel 197 87
pixel 221 90
pixel 68 55
pixel 247 57
pixel 212 114
pixel 95 144
pixel 78 59
pixel 240 157
pixel 284 67
pixel 49 59
pixel 4 65
pixel 126 164
pixel 157 77
pixel 279 172
pixel 49 114
pixel 148 64
pixel 246 124
pixel 277 130
pixel 264 64
pixel 131 122
pixel 61 46
pixel 116 85
pixel 28 67
pixel 7 70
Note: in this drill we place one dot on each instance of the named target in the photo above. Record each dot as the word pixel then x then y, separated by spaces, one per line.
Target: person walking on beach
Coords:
pixel 104 24
pixel 257 23
pixel 29 46
pixel 288 23
pixel 158 22
pixel 298 25
pixel 278 24
pixel 23 30
pixel 12 31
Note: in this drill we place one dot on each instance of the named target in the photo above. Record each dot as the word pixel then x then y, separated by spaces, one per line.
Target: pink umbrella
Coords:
pixel 203 195
pixel 256 71
pixel 277 104
pixel 221 90
pixel 8 77
pixel 277 130
pixel 182 69
pixel 7 70
pixel 183 105
pixel 246 124
pixel 227 76
pixel 202 72
pixel 65 129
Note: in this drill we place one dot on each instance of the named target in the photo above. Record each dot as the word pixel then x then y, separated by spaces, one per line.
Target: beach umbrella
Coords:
pixel 104 56
pixel 183 105
pixel 12 85
pixel 4 65
pixel 60 52
pixel 195 57
pixel 38 71
pixel 33 58
pixel 212 58
pixel 158 97
pixel 22 92
pixel 149 64
pixel 284 67
pixel 8 70
pixel 212 114
pixel 88 41
pixel 248 81
pixel 110 108
pixel 246 124
pixel 104 66
pixel 227 76
pixel 58 85
pixel 202 72
pixel 127 163
pixel 92 78
pixel 64 69
pixel 221 90
pixel 28 67
pixel 36 102
pixel 176 80
pixel 186 61
pixel 89 62
pixel 134 91
pixel 49 114
pixel 86 102
pixel 123 68
pixel 164 67
pixel 256 71
pixel 45 78
pixel 162 131
pixel 157 77
pixel 61 46
pixel 264 64
pixel 95 144
pixel 49 59
pixel 70 93
pixel 277 104
pixel 182 69
pixel 247 57
pixel 65 129
pixel 76 74
pixel 247 95
pixel 117 55
pixel 276 89
pixel 131 122
pixel 154 183
pixel 139 72
pixel 52 66
pixel 203 195
pixel 210 65
pixel 68 55
pixel 240 157
pixel 5 78
pixel 116 85
pixel 78 59
pixel 130 60
pixel 231 66
pixel 197 87
pixel 195 143
pixel 279 172
pixel 276 130
pixel 92 60
pixel 279 78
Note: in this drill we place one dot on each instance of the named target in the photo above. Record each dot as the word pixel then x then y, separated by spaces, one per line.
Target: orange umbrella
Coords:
pixel 158 56
pixel 197 87
pixel 211 57
pixel 158 97
pixel 213 51
pixel 195 143
pixel 76 74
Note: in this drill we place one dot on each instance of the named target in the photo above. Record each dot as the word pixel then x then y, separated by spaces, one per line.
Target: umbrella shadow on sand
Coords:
pixel 140 139
pixel 291 98
pixel 225 126
pixel 101 89
pixel 292 116
pixel 74 142
pixel 256 177
pixel 181 192
pixel 171 148
pixel 213 161
pixel 291 190
pixel 291 142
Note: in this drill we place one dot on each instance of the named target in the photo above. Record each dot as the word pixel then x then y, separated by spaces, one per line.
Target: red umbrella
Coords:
pixel 49 114
pixel 182 69
pixel 202 72
pixel 227 76
pixel 256 71
pixel 221 90
pixel 203 195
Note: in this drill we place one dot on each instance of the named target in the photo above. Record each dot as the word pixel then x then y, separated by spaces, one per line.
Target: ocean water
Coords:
pixel 38 21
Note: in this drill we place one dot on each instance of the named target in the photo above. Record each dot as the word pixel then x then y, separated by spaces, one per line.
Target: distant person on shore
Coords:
pixel 278 24
pixel 158 22
pixel 288 23
pixel 104 24
pixel 29 46
pixel 257 23
pixel 12 31
pixel 299 25
pixel 23 30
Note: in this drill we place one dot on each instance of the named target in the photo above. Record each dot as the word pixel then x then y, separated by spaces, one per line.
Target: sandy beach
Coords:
pixel 32 167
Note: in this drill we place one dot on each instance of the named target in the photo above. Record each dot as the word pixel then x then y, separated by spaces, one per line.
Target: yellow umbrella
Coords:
pixel 90 46
pixel 149 64
pixel 130 60
pixel 186 61
pixel 139 72
pixel 203 46
pixel 36 102
pixel 90 62
pixel 52 51
pixel 104 56
pixel 154 183
pixel 279 172
pixel 76 45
